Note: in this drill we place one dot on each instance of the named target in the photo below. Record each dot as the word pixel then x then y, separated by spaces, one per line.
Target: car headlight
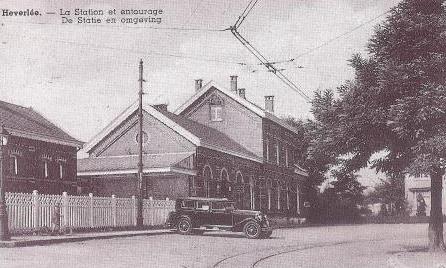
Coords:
pixel 259 217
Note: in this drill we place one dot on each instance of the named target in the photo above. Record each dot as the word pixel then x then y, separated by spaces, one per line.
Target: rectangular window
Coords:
pixel 15 165
pixel 267 150
pixel 61 171
pixel 277 153
pixel 216 113
pixel 45 169
pixel 286 158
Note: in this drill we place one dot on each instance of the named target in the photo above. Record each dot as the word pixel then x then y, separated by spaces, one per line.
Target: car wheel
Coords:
pixel 252 230
pixel 184 226
pixel 267 234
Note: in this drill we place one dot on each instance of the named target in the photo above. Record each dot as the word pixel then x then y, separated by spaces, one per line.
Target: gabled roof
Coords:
pixel 249 105
pixel 125 164
pixel 212 138
pixel 128 112
pixel 198 134
pixel 27 123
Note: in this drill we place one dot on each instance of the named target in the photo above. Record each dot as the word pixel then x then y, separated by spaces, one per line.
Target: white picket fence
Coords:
pixel 34 211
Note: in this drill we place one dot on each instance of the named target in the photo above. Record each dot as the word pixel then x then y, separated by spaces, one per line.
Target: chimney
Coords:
pixel 160 107
pixel 198 84
pixel 234 84
pixel 242 93
pixel 269 104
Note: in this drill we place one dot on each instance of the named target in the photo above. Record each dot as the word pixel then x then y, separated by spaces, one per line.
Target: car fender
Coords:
pixel 185 216
pixel 239 225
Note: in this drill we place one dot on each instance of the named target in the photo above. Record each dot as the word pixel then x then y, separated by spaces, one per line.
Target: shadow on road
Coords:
pixel 235 235
pixel 411 249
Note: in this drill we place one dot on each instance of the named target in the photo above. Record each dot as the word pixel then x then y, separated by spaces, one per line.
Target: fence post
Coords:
pixel 91 210
pixel 134 208
pixel 114 214
pixel 65 209
pixel 36 209
pixel 151 211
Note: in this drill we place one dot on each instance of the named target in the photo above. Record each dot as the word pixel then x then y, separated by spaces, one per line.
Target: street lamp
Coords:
pixel 4 230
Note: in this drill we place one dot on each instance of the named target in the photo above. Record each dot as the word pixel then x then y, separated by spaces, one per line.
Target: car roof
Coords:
pixel 211 199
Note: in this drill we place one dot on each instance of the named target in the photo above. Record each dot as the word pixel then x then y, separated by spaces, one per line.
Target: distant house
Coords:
pixel 418 191
pixel 217 144
pixel 41 156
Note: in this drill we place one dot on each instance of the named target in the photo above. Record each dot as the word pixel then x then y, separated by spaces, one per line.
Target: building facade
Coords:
pixel 217 144
pixel 418 193
pixel 41 156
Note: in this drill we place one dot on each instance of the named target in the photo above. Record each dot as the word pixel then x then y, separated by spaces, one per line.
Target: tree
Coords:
pixel 317 160
pixel 390 191
pixel 396 103
pixel 341 200
pixel 344 197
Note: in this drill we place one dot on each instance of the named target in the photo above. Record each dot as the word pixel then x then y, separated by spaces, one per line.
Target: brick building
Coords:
pixel 41 156
pixel 217 144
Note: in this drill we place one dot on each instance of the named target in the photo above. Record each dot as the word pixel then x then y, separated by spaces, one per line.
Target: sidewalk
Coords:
pixel 36 240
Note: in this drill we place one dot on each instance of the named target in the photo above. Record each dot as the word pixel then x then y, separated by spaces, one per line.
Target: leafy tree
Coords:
pixel 397 102
pixel 342 199
pixel 316 161
pixel 390 191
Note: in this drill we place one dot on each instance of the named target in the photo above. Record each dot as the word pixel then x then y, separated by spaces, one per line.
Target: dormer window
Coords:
pixel 216 113
pixel 215 108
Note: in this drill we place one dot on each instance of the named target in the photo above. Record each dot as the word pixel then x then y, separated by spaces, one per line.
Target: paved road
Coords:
pixel 335 246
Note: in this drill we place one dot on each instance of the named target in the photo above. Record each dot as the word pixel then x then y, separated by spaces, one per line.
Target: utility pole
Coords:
pixel 4 230
pixel 139 217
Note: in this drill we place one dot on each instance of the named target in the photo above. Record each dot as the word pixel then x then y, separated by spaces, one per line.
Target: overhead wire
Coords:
pixel 339 36
pixel 271 68
pixel 263 60
pixel 245 13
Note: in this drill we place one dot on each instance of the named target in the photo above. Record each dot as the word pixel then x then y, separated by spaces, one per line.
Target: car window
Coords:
pixel 202 205
pixel 187 204
pixel 218 205
pixel 222 205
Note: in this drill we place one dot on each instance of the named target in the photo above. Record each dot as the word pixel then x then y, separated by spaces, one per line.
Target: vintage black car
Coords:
pixel 196 215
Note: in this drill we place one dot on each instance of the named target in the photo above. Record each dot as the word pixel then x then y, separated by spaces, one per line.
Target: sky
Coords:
pixel 81 76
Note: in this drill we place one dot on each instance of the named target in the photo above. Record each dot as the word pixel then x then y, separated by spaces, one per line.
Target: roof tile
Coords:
pixel 15 117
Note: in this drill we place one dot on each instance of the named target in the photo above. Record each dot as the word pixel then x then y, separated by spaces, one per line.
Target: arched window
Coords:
pixel 239 190
pixel 239 178
pixel 224 186
pixel 207 181
pixel 283 195
pixel 260 194
pixel 269 184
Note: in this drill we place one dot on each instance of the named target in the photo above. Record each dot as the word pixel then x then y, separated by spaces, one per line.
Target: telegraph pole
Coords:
pixel 139 217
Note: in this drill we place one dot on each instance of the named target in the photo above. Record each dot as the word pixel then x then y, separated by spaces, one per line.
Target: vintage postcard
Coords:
pixel 205 133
